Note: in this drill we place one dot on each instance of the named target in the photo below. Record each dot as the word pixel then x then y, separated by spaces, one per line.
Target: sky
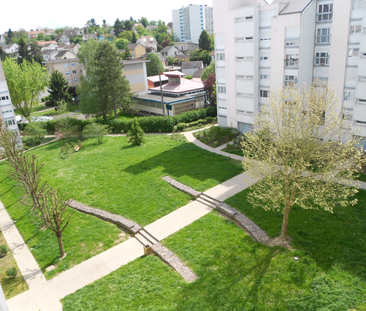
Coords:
pixel 30 14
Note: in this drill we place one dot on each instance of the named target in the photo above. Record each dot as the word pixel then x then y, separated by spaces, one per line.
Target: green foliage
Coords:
pixel 35 130
pixel 127 54
pixel 23 52
pixel 96 130
pixel 3 55
pixel 144 21
pixel 136 135
pixel 170 60
pixel 189 77
pixel 118 27
pixel 3 250
pixel 41 37
pixel 216 135
pixel 201 55
pixel 211 69
pixel 155 66
pixel 140 30
pixel 11 272
pixel 66 150
pixel 36 52
pixel 58 88
pixel 128 35
pixel 9 37
pixel 121 43
pixel 204 42
pixel 180 126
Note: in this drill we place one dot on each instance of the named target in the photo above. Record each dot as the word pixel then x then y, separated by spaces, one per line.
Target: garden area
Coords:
pixel 134 189
pixel 217 136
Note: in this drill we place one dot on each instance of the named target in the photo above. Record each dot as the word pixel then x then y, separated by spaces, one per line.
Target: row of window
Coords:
pixel 4 98
pixel 7 111
pixel 75 80
pixel 9 122
pixel 72 65
pixel 73 72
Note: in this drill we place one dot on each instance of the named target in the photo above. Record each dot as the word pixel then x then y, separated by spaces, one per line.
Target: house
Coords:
pixel 171 51
pixel 71 69
pixel 65 55
pixel 182 58
pixel 49 55
pixel 198 74
pixel 2 39
pixel 186 46
pixel 180 95
pixel 11 48
pixel 189 68
pixel 62 38
pixel 48 45
pixel 72 48
pixel 137 50
pixel 34 34
pixel 89 36
pixel 151 27
pixel 72 33
pixel 49 32
pixel 148 41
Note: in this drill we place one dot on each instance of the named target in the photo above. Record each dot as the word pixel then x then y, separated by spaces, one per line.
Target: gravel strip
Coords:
pixel 182 187
pixel 106 216
pixel 171 259
pixel 256 232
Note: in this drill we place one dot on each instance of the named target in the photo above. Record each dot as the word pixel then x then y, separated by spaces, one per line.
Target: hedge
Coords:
pixel 148 124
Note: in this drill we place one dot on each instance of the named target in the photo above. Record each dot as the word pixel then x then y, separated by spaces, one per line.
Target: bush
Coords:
pixel 3 250
pixel 201 121
pixel 215 144
pixel 175 129
pixel 96 130
pixel 195 123
pixel 36 130
pixel 180 126
pixel 11 272
pixel 188 77
pixel 136 135
pixel 66 151
pixel 209 119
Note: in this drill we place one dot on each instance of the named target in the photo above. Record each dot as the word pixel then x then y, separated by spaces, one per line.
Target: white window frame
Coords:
pixel 264 58
pixel 67 73
pixel 221 89
pixel 264 93
pixel 321 37
pixel 76 79
pixel 349 96
pixel 354 52
pixel 321 58
pixel 66 65
pixel 72 64
pixel 325 12
pixel 290 80
pixel 357 4
pixel 292 60
pixel 220 56
pixel 355 29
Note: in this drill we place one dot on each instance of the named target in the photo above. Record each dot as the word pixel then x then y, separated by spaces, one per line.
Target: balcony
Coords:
pixel 291 63
pixel 322 39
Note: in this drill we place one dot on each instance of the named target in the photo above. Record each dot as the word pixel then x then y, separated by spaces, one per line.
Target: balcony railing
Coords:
pixel 322 39
pixel 291 63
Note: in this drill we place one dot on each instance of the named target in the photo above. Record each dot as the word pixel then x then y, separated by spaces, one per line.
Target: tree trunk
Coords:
pixel 285 223
pixel 104 117
pixel 61 245
pixel 115 111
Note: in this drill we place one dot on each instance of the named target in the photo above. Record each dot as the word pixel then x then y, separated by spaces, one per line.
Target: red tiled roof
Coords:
pixel 42 43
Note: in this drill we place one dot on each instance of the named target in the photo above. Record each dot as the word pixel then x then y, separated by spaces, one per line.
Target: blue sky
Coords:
pixel 30 14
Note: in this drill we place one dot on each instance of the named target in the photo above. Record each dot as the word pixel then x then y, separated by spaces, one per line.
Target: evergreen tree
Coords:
pixel 154 66
pixel 204 41
pixel 136 135
pixel 10 36
pixel 36 52
pixel 134 39
pixel 58 88
pixel 24 53
pixel 118 27
pixel 127 53
pixel 3 55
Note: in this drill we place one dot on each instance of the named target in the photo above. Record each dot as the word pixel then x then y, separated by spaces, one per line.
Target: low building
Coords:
pixel 7 114
pixel 137 50
pixel 72 33
pixel 2 39
pixel 151 27
pixel 171 51
pixel 71 68
pixel 33 34
pixel 65 55
pixel 49 32
pixel 134 27
pixel 186 46
pixel 148 41
pixel 89 36
pixel 154 81
pixel 180 95
pixel 11 49
pixel 49 55
pixel 48 45
pixel 62 39
pixel 189 68
pixel 74 48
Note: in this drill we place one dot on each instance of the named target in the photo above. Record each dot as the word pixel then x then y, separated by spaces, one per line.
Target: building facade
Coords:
pixel 189 21
pixel 7 115
pixel 261 46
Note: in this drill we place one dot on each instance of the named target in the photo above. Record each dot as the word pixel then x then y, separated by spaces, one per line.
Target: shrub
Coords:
pixel 175 129
pixel 136 135
pixel 201 121
pixel 209 119
pixel 188 77
pixel 180 126
pixel 215 144
pixel 96 130
pixel 3 250
pixel 11 272
pixel 66 151
pixel 195 123
pixel 36 130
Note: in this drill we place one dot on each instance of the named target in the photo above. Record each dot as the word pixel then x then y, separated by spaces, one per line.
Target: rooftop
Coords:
pixel 293 6
pixel 176 89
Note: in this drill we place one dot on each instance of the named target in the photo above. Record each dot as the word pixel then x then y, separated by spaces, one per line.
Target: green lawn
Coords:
pixel 115 177
pixel 235 273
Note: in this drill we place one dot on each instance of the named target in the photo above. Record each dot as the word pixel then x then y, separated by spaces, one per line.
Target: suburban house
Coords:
pixel 72 70
pixel 137 50
pixel 151 27
pixel 197 75
pixel 148 41
pixel 89 36
pixel 61 47
pixel 182 58
pixel 48 45
pixel 180 95
pixel 189 68
pixel 2 39
pixel 72 32
pixel 65 55
pixel 72 48
pixel 11 48
pixel 171 51
pixel 33 34
pixel 186 46
pixel 49 55
pixel 62 38
pixel 49 32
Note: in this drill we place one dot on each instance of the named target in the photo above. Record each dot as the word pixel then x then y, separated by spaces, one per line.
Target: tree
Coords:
pixel 209 70
pixel 144 21
pixel 118 27
pixel 204 41
pixel 134 39
pixel 209 88
pixel 3 55
pixel 41 37
pixel 25 82
pixel 36 52
pixel 165 43
pixel 10 36
pixel 154 66
pixel 136 135
pixel 23 51
pixel 128 35
pixel 140 30
pixel 36 131
pixel 127 54
pixel 121 43
pixel 170 60
pixel 202 55
pixel 58 88
pixel 96 130
pixel 299 144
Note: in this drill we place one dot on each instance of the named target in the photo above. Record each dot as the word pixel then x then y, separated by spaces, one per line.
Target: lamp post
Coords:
pixel 161 93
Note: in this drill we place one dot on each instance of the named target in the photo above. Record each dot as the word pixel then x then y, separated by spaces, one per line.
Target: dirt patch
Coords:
pixel 278 242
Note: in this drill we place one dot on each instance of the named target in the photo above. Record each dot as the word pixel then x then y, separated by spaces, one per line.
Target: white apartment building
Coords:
pixel 6 107
pixel 260 46
pixel 189 21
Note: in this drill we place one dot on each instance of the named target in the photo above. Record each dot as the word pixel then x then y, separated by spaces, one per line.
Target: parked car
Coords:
pixel 18 119
pixel 40 119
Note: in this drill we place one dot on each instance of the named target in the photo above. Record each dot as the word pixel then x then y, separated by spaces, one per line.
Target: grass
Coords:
pixel 362 177
pixel 115 177
pixel 36 108
pixel 235 273
pixel 216 136
pixel 232 150
pixel 11 286
pixel 52 112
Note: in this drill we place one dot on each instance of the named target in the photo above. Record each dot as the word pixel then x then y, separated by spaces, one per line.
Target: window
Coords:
pixel 69 80
pixel 264 77
pixel 244 58
pixel 220 56
pixel 355 29
pixel 244 94
pixel 248 38
pixel 264 93
pixel 7 111
pixel 72 64
pixel 264 58
pixel 353 52
pixel 244 77
pixel 349 95
pixel 10 122
pixel 221 89
pixel 362 78
pixel 4 97
pixel 292 60
pixel 80 63
pixel 266 39
pixel 81 70
pixel 76 80
pixel 321 58
pixel 325 12
pixel 74 72
pixel 323 35
pixel 67 73
pixel 357 4
pixel 66 65
pixel 290 80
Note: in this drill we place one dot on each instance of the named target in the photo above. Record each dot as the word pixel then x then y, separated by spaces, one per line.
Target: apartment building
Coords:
pixel 189 21
pixel 261 46
pixel 6 107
